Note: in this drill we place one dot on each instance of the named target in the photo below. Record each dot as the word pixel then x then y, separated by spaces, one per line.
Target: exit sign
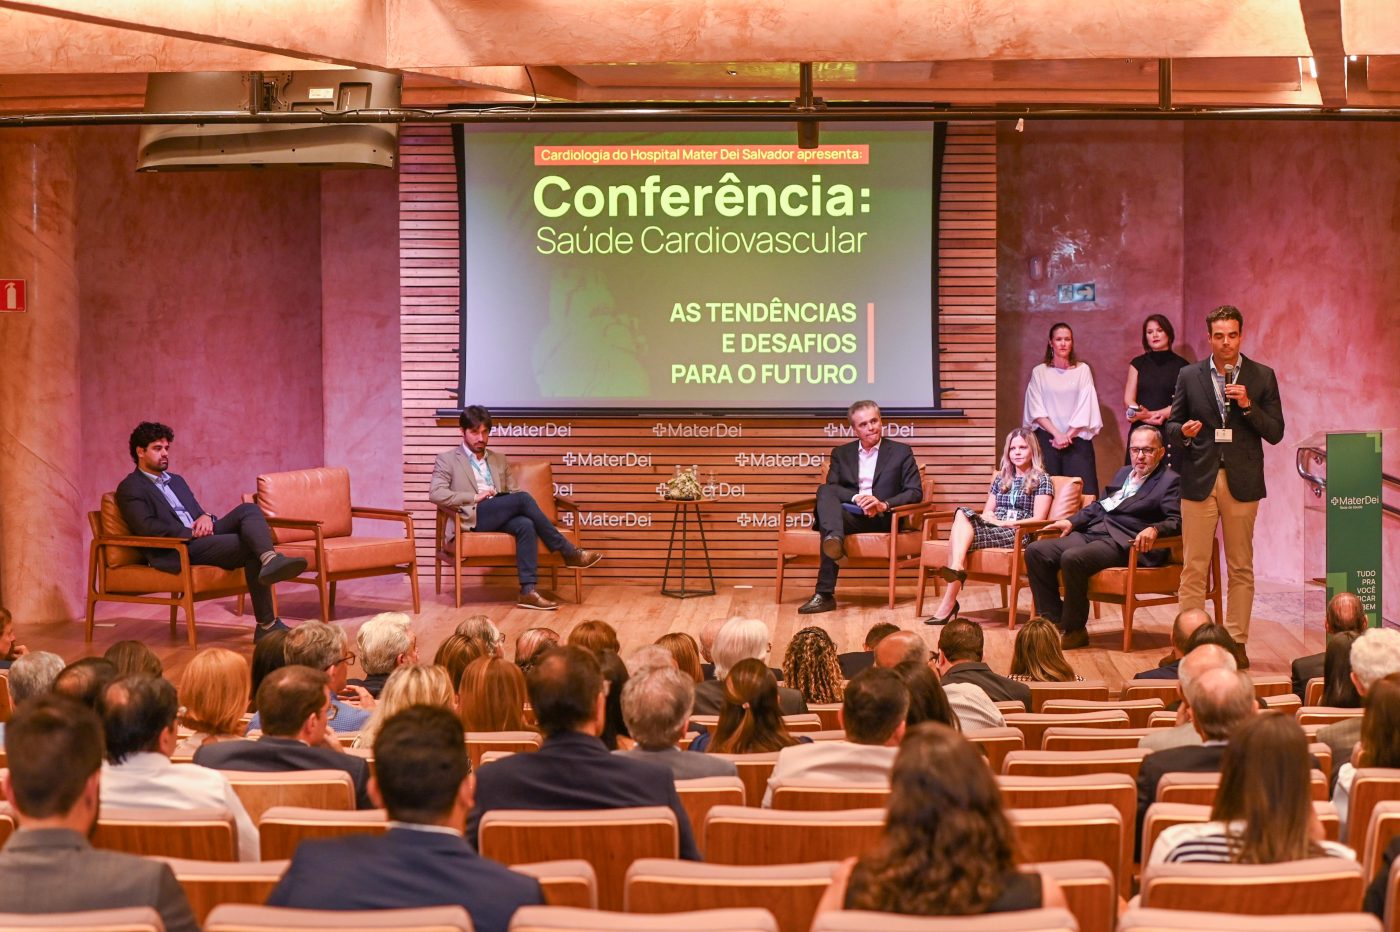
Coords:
pixel 12 296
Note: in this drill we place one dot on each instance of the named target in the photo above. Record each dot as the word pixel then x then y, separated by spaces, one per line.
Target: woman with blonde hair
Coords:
pixel 214 693
pixel 411 684
pixel 1020 492
pixel 686 653
pixel 1037 657
pixel 750 719
pixel 492 696
pixel 812 667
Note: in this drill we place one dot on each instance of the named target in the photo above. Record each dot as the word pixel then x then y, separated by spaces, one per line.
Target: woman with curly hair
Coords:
pixel 686 653
pixel 750 719
pixel 1037 656
pixel 948 848
pixel 811 666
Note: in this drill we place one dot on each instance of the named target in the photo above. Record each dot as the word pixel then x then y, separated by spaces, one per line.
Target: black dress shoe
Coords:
pixel 1074 640
pixel 817 604
pixel 935 620
pixel 948 574
pixel 833 548
pixel 262 631
pixel 280 569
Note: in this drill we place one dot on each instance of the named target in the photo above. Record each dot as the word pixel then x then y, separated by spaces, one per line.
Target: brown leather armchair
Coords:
pixel 893 550
pixel 310 514
pixel 497 548
pixel 118 573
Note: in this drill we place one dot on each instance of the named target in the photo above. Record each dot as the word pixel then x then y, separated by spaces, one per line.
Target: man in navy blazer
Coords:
pixel 573 769
pixel 422 776
pixel 294 705
pixel 156 503
pixel 1144 502
pixel 865 479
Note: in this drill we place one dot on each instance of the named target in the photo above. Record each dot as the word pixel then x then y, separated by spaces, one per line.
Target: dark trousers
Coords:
pixel 239 539
pixel 517 514
pixel 1077 459
pixel 833 519
pixel 1074 557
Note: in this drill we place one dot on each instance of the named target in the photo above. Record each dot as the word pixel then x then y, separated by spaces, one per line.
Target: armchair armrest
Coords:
pixel 131 540
pixel 802 504
pixel 564 504
pixel 303 524
pixel 384 514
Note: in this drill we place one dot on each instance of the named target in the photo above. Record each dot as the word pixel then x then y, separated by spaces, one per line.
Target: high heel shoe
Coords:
pixel 948 574
pixel 935 620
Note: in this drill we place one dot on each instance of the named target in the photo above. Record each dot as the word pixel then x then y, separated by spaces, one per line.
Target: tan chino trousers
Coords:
pixel 1236 521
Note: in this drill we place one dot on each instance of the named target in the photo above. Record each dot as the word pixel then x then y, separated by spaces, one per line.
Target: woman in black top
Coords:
pixel 948 848
pixel 1152 381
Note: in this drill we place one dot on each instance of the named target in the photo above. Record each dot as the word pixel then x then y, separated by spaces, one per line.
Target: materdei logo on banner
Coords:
pixel 12 296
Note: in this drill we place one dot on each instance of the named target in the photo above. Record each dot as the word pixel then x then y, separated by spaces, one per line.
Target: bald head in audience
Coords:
pixel 1185 625
pixel 1221 700
pixel 899 647
pixel 707 638
pixel 566 692
pixel 85 680
pixel 1203 658
pixel 1344 613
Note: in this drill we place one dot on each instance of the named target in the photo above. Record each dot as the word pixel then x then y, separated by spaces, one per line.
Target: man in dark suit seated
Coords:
pixel 422 776
pixel 295 706
pixel 852 662
pixel 157 503
pixel 1184 626
pixel 573 769
pixel 960 647
pixel 865 479
pixel 1144 503
pixel 1344 613
pixel 1221 700
pixel 55 750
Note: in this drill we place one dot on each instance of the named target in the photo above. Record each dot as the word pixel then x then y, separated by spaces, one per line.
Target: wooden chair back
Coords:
pixel 1191 920
pixel 996 743
pixel 814 795
pixel 238 918
pixel 1168 691
pixel 1317 885
pixel 827 712
pixel 564 919
pixel 1066 738
pixel 1112 789
pixel 1382 827
pixel 1200 788
pixel 754 771
pixel 1033 724
pixel 789 891
pixel 124 919
pixel 282 828
pixel 1139 710
pixel 481 742
pixel 746 835
pixel 702 794
pixel 1312 692
pixel 1370 786
pixel 1041 693
pixel 1091 832
pixel 195 834
pixel 1088 889
pixel 308 789
pixel 565 883
pixel 1026 920
pixel 1324 715
pixel 209 883
pixel 1071 763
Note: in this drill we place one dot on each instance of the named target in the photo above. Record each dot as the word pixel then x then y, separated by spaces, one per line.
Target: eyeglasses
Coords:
pixel 347 660
pixel 1143 451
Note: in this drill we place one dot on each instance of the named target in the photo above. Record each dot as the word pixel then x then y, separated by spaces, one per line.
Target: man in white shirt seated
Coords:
pixel 138 720
pixel 974 708
pixel 872 715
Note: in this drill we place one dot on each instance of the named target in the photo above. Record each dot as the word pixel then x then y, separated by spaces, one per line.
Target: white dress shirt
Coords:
pixel 149 780
pixel 867 460
pixel 975 709
pixel 832 762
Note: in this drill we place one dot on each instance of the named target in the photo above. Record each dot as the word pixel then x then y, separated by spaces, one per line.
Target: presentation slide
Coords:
pixel 697 268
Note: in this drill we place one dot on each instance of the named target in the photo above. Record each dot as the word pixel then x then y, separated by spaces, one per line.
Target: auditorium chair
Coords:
pixel 1168 691
pixel 996 743
pixel 1200 788
pixel 1026 920
pixel 1285 703
pixel 6 705
pixel 1004 566
pixel 754 770
pixel 828 712
pixel 1074 763
pixel 564 919
pixel 1272 684
pixel 209 883
pixel 1110 789
pixel 1163 719
pixel 1139 710
pixel 282 828
pixel 1134 587
pixel 1370 787
pixel 1316 885
pixel 1322 715
pixel 481 742
pixel 497 548
pixel 565 883
pixel 1162 816
pixel 608 839
pixel 746 835
pixel 1033 724
pixel 1065 738
pixel 893 550
pixel 790 892
pixel 1312 692
pixel 1381 828
pixel 1088 889
pixel 124 919
pixel 818 795
pixel 195 834
pixel 118 573
pixel 1093 832
pixel 701 794
pixel 311 789
pixel 1088 690
pixel 1190 920
pixel 311 516
pixel 240 918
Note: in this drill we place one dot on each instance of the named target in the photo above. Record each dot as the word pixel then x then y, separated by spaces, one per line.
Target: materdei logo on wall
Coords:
pixel 13 299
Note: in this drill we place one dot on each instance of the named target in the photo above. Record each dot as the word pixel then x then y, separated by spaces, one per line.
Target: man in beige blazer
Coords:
pixel 479 484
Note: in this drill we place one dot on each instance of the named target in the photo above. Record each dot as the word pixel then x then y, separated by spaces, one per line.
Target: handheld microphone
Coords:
pixel 1229 380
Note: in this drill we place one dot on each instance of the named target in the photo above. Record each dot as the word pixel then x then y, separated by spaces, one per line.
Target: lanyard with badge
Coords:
pixel 1222 404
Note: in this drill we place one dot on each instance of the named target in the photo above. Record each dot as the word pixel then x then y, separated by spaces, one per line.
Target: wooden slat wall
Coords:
pixel 959 452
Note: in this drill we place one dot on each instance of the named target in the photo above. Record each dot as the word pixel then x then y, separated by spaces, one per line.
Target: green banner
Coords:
pixel 1354 519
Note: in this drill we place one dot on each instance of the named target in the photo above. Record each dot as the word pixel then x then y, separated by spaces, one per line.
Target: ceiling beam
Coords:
pixel 1323 21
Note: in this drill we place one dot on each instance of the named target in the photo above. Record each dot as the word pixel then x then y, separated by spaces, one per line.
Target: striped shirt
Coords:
pixel 1210 842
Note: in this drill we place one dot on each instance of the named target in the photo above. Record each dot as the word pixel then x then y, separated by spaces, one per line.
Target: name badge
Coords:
pixel 1224 435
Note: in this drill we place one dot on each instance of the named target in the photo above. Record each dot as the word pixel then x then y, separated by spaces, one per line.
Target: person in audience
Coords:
pixel 321 646
pixel 1151 382
pixel 85 680
pixel 1021 491
pixel 706 639
pixel 295 704
pixel 1379 747
pixel 32 674
pixel 1263 811
pixel 656 705
pixel 960 646
pixel 741 639
pixel 134 657
pixel 138 723
pixel 415 684
pixel 872 715
pixel 1338 690
pixel 157 503
pixel 1062 406
pixel 531 643
pixel 1373 656
pixel 651 657
pixel 1036 657
pixel 750 715
pixel 1376 890
pixel 1184 734
pixel 596 636
pixel 614 734
pixel 268 654
pixel 1221 701
pixel 455 654
pixel 972 706
pixel 9 650
pixel 572 769
pixel 852 662
pixel 1344 613
pixel 927 700
pixel 948 848
pixel 214 694
pixel 423 778
pixel 492 697
pixel 386 643
pixel 686 653
pixel 483 629
pixel 1183 626
pixel 810 666
pixel 54 747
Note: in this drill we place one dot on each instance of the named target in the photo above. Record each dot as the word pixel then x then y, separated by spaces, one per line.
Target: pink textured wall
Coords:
pixel 201 308
pixel 1087 202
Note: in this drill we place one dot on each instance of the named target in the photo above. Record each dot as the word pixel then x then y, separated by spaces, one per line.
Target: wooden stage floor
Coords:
pixel 641 614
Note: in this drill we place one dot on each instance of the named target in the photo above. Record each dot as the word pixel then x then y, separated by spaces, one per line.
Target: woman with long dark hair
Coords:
pixel 1152 382
pixel 750 719
pixel 927 700
pixel 1338 689
pixel 1379 747
pixel 1037 657
pixel 1062 405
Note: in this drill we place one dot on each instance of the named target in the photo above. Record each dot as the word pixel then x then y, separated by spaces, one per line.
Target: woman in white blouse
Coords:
pixel 1379 747
pixel 1063 407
